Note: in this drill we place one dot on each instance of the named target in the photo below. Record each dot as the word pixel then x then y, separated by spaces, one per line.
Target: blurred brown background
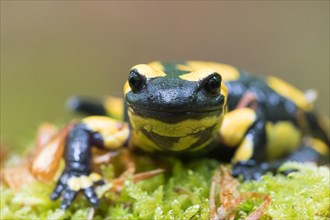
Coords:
pixel 53 49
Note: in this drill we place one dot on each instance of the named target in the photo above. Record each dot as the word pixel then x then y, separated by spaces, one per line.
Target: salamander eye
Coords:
pixel 136 81
pixel 212 85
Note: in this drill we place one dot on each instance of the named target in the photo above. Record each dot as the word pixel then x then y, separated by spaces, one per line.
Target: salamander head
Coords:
pixel 174 107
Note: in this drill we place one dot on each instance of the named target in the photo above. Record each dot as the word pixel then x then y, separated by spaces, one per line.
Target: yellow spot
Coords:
pixel 81 182
pixel 244 151
pixel 324 122
pixel 282 138
pixel 224 91
pixel 115 107
pixel 116 140
pixel 95 177
pixel 290 92
pixel 101 124
pixel 114 133
pixel 148 71
pixel 74 183
pixel 85 182
pixel 156 65
pixel 197 75
pixel 202 74
pixel 227 72
pixel 319 146
pixel 235 125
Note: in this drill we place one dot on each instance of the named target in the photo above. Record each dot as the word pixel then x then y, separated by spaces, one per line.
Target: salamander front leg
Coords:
pixel 311 150
pixel 251 152
pixel 77 176
pixel 244 130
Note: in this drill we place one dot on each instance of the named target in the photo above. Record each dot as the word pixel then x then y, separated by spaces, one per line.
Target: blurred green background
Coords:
pixel 51 50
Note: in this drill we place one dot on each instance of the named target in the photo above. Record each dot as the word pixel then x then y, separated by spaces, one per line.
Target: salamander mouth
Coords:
pixel 174 116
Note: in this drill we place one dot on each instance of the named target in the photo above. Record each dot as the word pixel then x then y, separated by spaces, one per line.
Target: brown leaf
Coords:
pixel 45 162
pixel 260 211
pixel 215 184
pixel 104 158
pixel 230 198
pixel 118 183
pixel 228 194
pixel 225 185
pixel 45 132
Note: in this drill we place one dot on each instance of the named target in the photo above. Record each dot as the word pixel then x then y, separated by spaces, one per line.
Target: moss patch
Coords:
pixel 181 192
pixel 300 195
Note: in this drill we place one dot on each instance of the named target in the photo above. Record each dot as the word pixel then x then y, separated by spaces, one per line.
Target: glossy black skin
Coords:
pixel 274 106
pixel 78 161
pixel 174 98
pixel 171 99
pixel 87 105
pixel 271 106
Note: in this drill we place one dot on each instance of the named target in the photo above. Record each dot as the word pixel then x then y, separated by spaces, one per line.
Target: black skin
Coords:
pixel 270 106
pixel 251 170
pixel 86 105
pixel 78 162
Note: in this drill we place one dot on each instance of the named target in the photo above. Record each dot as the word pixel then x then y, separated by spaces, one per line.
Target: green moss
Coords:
pixel 182 192
pixel 300 195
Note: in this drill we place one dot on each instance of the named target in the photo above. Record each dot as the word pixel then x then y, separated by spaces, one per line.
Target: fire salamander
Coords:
pixel 195 108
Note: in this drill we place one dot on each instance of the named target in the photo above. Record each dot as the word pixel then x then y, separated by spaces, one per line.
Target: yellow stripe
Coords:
pixel 185 131
pixel 180 129
pixel 184 143
pixel 143 142
pixel 319 146
pixel 290 92
pixel 224 91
